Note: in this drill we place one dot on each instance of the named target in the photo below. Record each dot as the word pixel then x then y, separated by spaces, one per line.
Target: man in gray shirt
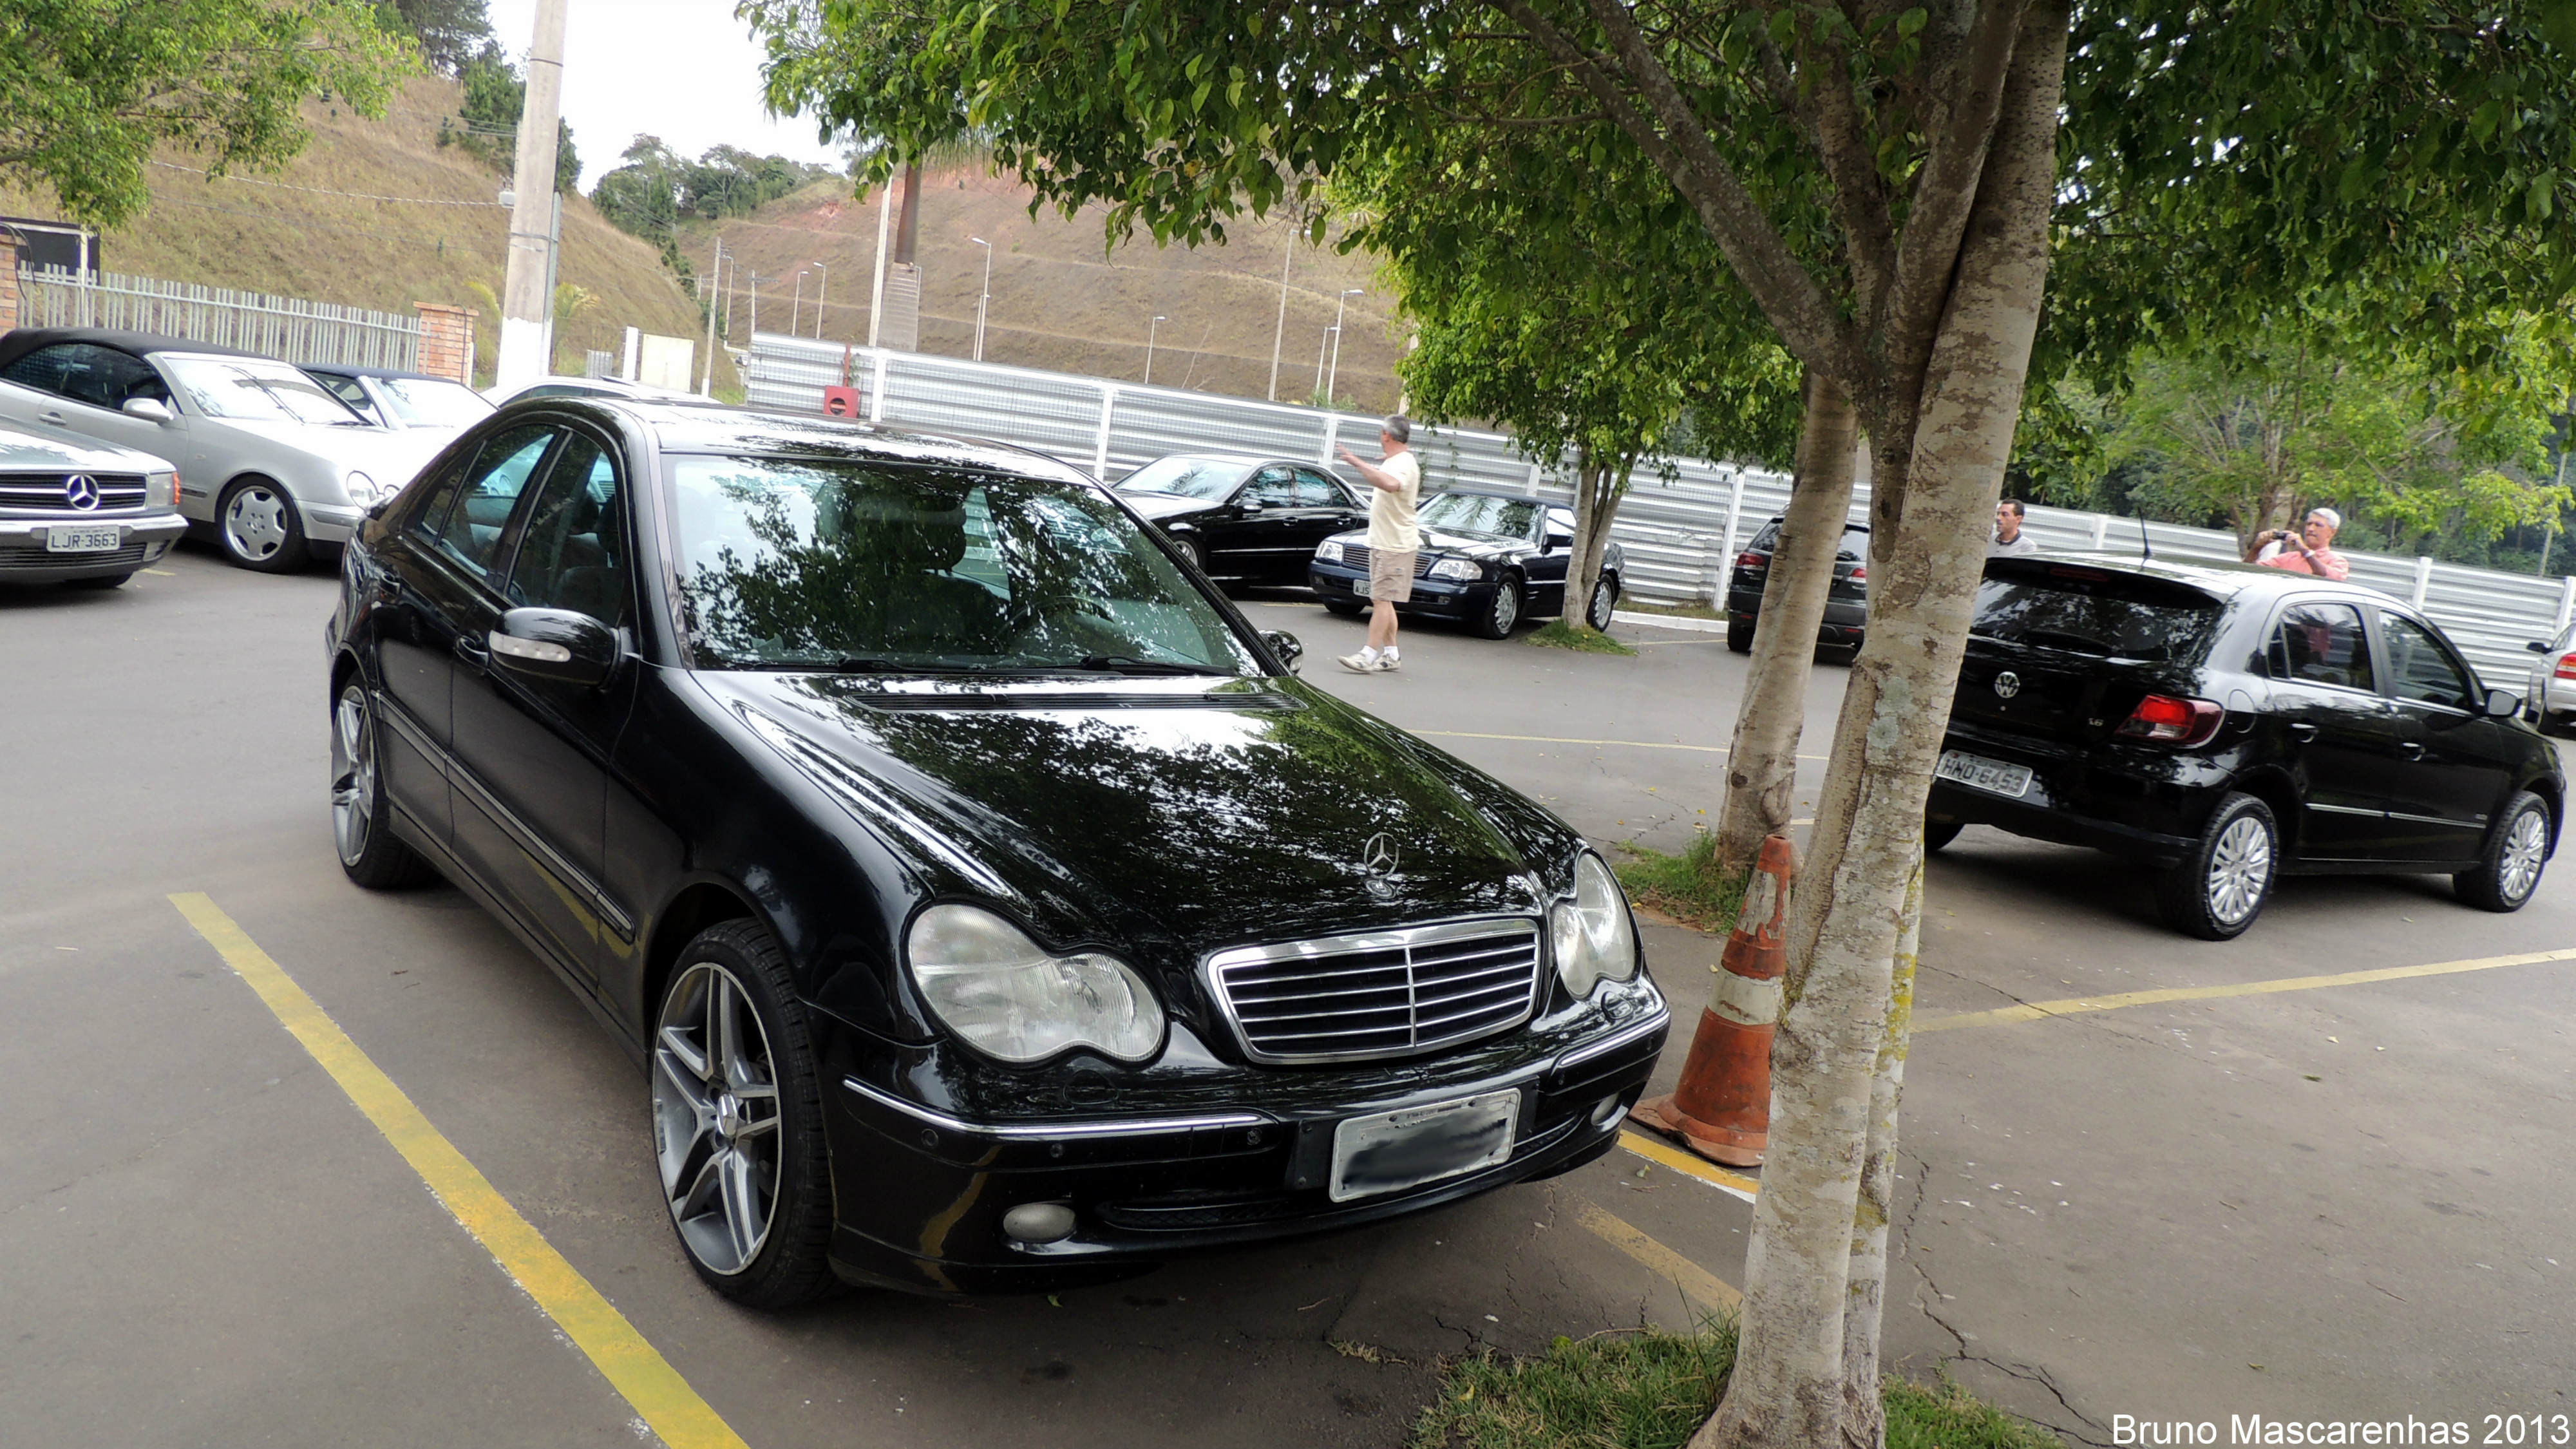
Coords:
pixel 2010 541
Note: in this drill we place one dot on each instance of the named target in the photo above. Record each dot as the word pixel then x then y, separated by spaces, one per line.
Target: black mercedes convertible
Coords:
pixel 989 905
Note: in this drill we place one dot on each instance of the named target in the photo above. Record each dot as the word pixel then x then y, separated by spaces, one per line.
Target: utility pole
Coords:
pixel 876 296
pixel 822 279
pixel 984 298
pixel 735 279
pixel 1320 344
pixel 1334 376
pixel 707 382
pixel 1150 329
pixel 796 309
pixel 1279 333
pixel 527 303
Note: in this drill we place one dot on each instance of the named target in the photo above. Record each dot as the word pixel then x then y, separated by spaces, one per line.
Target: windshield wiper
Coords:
pixel 855 665
pixel 1129 664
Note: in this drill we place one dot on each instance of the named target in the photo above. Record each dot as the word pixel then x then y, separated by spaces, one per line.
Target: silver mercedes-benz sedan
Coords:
pixel 86 515
pixel 269 462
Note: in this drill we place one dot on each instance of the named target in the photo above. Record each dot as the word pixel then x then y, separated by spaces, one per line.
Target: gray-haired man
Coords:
pixel 1395 483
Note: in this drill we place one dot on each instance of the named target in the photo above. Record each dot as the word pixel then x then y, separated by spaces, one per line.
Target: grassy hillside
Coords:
pixel 1059 301
pixel 289 233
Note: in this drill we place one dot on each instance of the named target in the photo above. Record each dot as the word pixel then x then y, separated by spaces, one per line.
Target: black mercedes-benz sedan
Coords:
pixel 1488 560
pixel 2225 725
pixel 1240 517
pixel 991 907
pixel 1846 622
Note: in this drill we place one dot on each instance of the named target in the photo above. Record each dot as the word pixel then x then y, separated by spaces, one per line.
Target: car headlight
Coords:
pixel 160 490
pixel 362 489
pixel 989 983
pixel 1594 939
pixel 1458 568
pixel 1330 551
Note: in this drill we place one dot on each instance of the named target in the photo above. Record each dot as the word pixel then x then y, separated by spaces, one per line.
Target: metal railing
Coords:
pixel 1681 532
pixel 287 328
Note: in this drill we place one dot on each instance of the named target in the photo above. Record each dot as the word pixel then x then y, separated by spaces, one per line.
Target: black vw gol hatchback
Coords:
pixel 990 906
pixel 2226 725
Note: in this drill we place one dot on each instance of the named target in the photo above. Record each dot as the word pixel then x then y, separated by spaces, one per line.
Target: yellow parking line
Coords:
pixel 1693 1280
pixel 1680 1161
pixel 632 1366
pixel 2036 1010
pixel 1553 740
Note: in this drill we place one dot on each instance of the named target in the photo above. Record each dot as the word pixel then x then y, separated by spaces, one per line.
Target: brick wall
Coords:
pixel 446 341
pixel 8 284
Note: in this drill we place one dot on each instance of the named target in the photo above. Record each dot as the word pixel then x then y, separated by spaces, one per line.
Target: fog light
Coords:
pixel 1606 1113
pixel 1039 1222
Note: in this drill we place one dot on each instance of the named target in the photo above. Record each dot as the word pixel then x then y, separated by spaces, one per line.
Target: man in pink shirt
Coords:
pixel 2306 551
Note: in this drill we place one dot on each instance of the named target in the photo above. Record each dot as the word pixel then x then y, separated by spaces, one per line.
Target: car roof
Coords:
pixel 1218 455
pixel 685 426
pixel 2222 578
pixel 19 341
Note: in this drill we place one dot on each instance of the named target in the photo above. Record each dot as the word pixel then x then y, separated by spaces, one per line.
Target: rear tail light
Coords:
pixel 1860 573
pixel 1751 560
pixel 2170 721
pixel 2566 667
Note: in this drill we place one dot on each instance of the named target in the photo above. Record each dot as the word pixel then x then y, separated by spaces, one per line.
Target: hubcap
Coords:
pixel 2526 845
pixel 1507 607
pixel 1603 602
pixel 353 794
pixel 2239 870
pixel 715 1118
pixel 255 524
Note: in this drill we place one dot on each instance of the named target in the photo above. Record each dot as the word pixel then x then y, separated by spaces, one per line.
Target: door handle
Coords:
pixel 475 654
pixel 2303 732
pixel 49 416
pixel 2411 749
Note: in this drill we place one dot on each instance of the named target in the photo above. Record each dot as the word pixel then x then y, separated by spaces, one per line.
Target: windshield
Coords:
pixel 794 564
pixel 426 402
pixel 1209 478
pixel 257 390
pixel 1475 513
pixel 2086 611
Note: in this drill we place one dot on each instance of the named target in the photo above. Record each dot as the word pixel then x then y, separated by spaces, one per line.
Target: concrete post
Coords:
pixel 527 299
pixel 2101 530
pixel 446 341
pixel 1332 436
pixel 1100 454
pixel 634 345
pixel 2566 604
pixel 2423 579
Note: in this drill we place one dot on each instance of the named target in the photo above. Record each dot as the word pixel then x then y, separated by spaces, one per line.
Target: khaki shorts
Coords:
pixel 1391 574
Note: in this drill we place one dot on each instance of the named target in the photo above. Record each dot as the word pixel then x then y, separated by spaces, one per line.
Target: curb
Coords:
pixel 1669 621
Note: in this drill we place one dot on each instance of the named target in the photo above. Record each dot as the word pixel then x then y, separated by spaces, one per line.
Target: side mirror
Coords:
pixel 558 645
pixel 1252 505
pixel 2503 704
pixel 2537 646
pixel 150 408
pixel 1285 645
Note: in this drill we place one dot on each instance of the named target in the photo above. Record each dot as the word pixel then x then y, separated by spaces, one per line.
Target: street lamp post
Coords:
pixel 984 298
pixel 1334 376
pixel 756 279
pixel 796 309
pixel 821 280
pixel 1320 344
pixel 1149 347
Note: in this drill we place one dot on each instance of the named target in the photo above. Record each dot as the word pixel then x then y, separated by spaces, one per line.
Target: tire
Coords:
pixel 1938 833
pixel 2508 872
pixel 1503 614
pixel 1605 602
pixel 369 852
pixel 1739 635
pixel 258 528
pixel 2222 885
pixel 104 581
pixel 770 1164
pixel 1347 608
pixel 1189 550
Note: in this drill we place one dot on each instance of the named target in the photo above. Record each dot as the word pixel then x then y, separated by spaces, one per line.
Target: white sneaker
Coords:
pixel 1388 663
pixel 1363 662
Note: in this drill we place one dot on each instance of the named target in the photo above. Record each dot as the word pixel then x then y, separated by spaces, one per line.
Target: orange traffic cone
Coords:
pixel 1722 1109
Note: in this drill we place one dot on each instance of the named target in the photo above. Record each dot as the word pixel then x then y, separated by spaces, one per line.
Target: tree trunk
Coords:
pixel 1865 1296
pixel 1598 487
pixel 1787 1388
pixel 1762 763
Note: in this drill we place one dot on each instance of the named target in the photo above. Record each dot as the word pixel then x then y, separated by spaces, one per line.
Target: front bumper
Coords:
pixel 1439 598
pixel 330 522
pixel 25 559
pixel 923 1194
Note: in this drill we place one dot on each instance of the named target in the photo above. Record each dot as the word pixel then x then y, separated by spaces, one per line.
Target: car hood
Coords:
pixel 1182 814
pixel 1470 545
pixel 1164 506
pixel 28 450
pixel 388 456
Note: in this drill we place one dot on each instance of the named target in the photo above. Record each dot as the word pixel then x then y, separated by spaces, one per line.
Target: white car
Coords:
pixel 267 460
pixel 2552 690
pixel 402 401
pixel 585 387
pixel 73 514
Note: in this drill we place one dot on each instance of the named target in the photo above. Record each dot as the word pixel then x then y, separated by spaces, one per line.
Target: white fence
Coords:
pixel 288 328
pixel 1679 534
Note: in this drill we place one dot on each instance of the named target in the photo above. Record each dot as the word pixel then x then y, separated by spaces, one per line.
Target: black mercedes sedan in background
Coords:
pixel 991 907
pixel 1488 560
pixel 1244 518
pixel 1846 622
pixel 2225 725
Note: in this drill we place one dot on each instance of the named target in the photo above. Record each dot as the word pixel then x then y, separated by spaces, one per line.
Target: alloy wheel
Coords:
pixel 2239 869
pixel 2526 846
pixel 255 524
pixel 353 795
pixel 715 1118
pixel 1507 608
pixel 1604 602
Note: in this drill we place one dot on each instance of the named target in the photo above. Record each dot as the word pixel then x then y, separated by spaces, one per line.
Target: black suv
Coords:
pixel 1846 603
pixel 2225 724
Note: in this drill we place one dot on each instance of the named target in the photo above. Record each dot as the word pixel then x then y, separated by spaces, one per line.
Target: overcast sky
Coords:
pixel 683 70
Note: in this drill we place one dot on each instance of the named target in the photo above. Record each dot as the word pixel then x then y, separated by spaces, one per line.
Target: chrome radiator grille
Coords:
pixel 1356 555
pixel 1379 993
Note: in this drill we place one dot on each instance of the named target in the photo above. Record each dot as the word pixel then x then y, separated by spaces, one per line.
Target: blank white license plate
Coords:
pixel 1396 1150
pixel 83 540
pixel 1983 773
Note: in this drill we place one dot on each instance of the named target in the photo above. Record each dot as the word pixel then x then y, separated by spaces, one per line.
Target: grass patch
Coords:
pixel 1652 1390
pixel 1672 611
pixel 1679 885
pixel 1558 634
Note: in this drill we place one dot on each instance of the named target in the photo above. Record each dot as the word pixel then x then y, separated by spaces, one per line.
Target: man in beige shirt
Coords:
pixel 1395 484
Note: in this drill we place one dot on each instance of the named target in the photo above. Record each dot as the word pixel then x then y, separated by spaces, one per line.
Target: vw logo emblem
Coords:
pixel 1378 858
pixel 2007 684
pixel 81 491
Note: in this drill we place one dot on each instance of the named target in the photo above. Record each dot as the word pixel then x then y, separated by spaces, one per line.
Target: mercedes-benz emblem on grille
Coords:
pixel 1377 857
pixel 2007 684
pixel 81 491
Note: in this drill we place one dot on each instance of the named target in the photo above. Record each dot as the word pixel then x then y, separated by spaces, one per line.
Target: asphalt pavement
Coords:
pixel 2332 1200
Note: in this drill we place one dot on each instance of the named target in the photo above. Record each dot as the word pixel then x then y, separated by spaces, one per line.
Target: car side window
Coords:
pixel 1314 490
pixel 471 532
pixel 1560 527
pixel 87 373
pixel 346 389
pixel 2322 644
pixel 1271 488
pixel 2420 668
pixel 572 551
